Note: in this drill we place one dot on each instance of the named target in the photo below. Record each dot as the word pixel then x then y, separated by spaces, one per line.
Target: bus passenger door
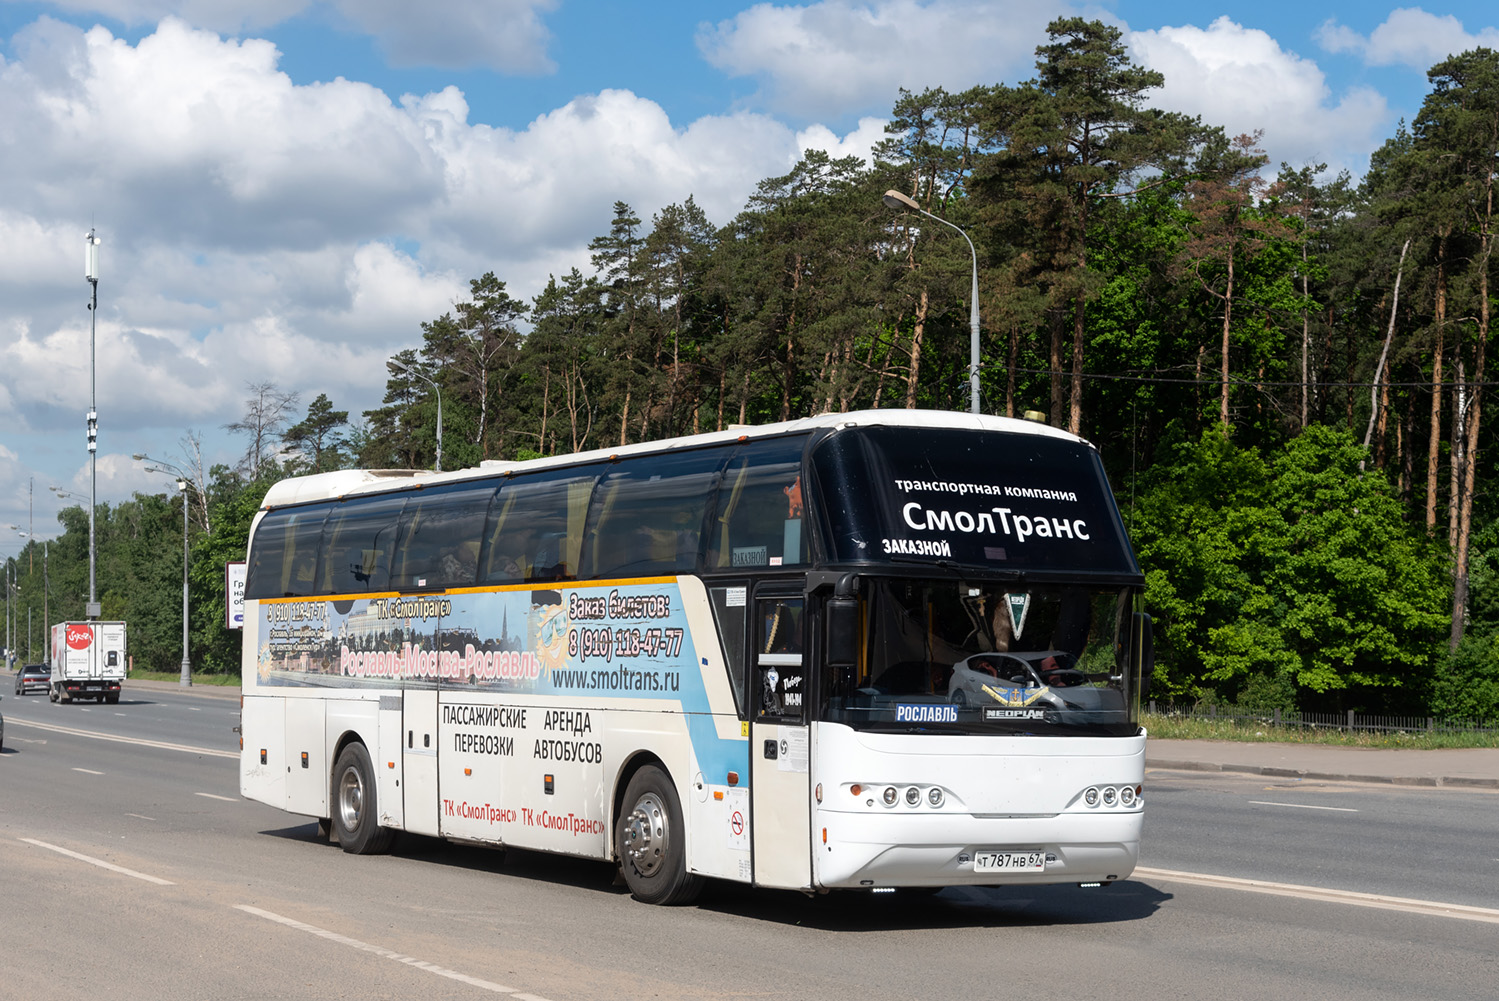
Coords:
pixel 419 759
pixel 780 796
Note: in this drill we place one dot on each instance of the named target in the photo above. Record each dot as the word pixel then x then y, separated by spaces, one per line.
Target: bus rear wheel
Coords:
pixel 649 839
pixel 356 809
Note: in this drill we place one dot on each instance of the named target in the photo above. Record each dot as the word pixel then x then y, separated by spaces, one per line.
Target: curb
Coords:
pixel 1454 781
pixel 208 691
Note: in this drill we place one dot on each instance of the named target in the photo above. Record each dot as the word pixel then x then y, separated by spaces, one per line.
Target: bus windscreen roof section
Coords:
pixel 992 499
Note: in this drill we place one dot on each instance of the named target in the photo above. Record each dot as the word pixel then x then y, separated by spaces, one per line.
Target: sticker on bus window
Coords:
pixel 1019 605
pixel 925 712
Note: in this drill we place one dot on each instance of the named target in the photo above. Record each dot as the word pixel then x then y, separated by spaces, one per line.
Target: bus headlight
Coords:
pixel 1090 796
pixel 1109 793
pixel 890 795
pixel 913 796
pixel 1127 795
pixel 934 796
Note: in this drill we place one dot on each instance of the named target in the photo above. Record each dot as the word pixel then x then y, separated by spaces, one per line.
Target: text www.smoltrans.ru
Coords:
pixel 619 679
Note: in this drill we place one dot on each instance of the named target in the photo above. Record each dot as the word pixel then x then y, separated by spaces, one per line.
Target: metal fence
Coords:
pixel 1349 721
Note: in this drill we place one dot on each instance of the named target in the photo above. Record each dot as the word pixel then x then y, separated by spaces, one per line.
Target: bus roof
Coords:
pixel 344 482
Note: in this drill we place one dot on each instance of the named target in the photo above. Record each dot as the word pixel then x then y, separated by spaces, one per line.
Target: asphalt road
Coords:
pixel 133 871
pixel 1435 844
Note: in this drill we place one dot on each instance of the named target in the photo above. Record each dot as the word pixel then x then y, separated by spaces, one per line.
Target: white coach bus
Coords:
pixel 870 650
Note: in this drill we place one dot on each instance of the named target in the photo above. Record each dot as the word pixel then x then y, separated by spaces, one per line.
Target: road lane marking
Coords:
pixel 124 740
pixel 209 795
pixel 385 953
pixel 138 816
pixel 1304 806
pixel 100 863
pixel 87 771
pixel 1379 901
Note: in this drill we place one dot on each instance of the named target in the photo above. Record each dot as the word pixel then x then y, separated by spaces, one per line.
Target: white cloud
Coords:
pixel 1410 37
pixel 860 142
pixel 835 57
pixel 257 230
pixel 507 35
pixel 504 35
pixel 1241 79
pixel 216 15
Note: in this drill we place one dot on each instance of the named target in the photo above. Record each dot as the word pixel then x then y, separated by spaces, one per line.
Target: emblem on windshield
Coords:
pixel 1019 605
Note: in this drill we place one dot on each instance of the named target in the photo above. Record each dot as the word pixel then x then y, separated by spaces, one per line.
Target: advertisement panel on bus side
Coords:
pixel 598 643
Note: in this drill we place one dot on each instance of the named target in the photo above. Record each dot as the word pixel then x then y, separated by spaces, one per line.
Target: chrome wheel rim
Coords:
pixel 647 835
pixel 350 799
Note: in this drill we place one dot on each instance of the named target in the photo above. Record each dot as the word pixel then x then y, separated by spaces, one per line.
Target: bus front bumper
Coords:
pixel 853 851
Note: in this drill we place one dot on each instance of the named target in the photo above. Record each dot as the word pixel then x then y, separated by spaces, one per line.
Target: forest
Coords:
pixel 1284 370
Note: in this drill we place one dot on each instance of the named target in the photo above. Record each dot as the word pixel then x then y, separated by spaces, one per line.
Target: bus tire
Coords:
pixel 356 808
pixel 650 841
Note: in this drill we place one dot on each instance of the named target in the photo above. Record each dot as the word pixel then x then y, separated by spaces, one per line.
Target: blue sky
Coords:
pixel 286 189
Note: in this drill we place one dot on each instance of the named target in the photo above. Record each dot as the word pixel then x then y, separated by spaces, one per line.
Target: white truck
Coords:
pixel 88 661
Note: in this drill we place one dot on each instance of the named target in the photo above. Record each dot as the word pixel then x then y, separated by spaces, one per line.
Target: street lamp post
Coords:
pixel 187 668
pixel 183 482
pixel 46 587
pixel 91 274
pixel 896 200
pixel 435 388
pixel 10 585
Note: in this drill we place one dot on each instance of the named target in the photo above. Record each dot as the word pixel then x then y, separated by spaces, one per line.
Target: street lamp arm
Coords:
pixel 896 200
pixel 406 369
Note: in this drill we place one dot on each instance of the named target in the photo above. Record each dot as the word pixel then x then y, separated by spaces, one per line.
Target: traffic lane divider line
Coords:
pixel 1375 900
pixel 139 741
pixel 210 795
pixel 385 953
pixel 98 862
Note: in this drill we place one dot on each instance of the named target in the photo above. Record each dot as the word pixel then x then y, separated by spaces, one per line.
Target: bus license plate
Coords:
pixel 1009 861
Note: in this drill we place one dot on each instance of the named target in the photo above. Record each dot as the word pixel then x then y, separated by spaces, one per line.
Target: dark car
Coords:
pixel 33 678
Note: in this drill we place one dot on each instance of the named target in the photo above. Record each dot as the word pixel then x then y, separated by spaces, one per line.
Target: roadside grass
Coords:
pixel 1257 731
pixel 229 680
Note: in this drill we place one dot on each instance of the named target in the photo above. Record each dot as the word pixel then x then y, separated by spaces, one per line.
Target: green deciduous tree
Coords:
pixel 1287 578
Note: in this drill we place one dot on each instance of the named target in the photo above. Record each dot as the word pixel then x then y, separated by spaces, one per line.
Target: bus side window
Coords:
pixel 361 540
pixel 285 557
pixel 730 608
pixel 759 516
pixel 263 576
pixel 440 532
pixel 647 515
pixel 507 541
pixel 535 526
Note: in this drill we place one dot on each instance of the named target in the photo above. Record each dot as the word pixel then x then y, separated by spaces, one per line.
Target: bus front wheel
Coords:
pixel 355 805
pixel 649 838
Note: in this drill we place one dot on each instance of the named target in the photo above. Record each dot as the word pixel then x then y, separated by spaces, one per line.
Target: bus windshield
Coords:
pixel 947 656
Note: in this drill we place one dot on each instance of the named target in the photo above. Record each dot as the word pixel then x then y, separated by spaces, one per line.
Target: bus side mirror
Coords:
pixel 1142 650
pixel 842 635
